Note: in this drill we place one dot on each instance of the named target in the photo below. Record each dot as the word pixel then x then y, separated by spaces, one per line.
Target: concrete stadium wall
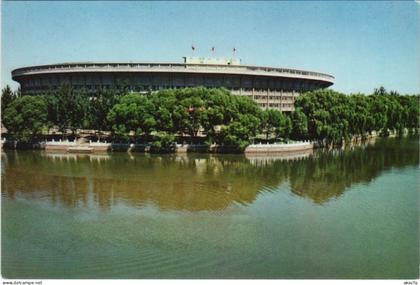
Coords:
pixel 269 87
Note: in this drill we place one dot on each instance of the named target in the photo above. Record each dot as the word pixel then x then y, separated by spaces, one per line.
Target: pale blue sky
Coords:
pixel 363 44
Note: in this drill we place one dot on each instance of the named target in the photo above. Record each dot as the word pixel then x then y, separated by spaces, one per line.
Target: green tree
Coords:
pixel 333 117
pixel 244 125
pixel 188 115
pixel 7 97
pixel 360 117
pixel 163 142
pixel 135 113
pixel 25 118
pixel 219 110
pixel 328 114
pixel 413 116
pixel 275 123
pixel 99 107
pixel 240 132
pixel 164 102
pixel 68 108
pixel 299 123
pixel 378 109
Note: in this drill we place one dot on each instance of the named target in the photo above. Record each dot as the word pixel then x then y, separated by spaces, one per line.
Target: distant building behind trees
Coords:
pixel 269 87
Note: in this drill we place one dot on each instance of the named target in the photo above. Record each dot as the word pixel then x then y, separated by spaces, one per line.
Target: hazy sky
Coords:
pixel 363 44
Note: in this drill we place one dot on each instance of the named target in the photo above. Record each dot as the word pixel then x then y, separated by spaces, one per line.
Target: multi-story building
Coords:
pixel 270 87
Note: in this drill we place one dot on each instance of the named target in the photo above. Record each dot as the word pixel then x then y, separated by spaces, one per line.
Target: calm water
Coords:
pixel 341 214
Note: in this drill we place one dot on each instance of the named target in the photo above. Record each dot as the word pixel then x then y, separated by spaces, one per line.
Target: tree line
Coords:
pixel 333 117
pixel 207 115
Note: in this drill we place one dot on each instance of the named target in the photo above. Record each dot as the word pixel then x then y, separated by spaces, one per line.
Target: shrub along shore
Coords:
pixel 205 116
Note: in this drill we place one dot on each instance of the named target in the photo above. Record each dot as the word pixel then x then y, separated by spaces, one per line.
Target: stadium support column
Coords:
pixel 268 96
pixel 292 108
pixel 240 85
pixel 281 100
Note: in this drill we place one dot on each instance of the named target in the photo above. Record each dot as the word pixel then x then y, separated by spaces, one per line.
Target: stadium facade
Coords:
pixel 269 87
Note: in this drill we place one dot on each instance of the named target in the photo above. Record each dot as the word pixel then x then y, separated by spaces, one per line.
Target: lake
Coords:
pixel 350 213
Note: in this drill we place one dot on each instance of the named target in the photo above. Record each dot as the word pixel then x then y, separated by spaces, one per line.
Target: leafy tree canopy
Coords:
pixel 25 118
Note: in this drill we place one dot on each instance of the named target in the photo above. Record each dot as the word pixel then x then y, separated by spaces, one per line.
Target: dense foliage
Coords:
pixel 210 115
pixel 25 118
pixel 190 112
pixel 7 97
pixel 71 109
pixel 333 117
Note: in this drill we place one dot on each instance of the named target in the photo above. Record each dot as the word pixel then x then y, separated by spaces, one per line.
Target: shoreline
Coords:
pixel 103 147
pixel 90 147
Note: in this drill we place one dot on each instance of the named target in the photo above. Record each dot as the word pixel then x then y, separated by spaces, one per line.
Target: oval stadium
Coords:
pixel 270 87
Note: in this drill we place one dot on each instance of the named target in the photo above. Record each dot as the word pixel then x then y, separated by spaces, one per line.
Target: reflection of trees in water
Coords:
pixel 329 173
pixel 195 182
pixel 171 182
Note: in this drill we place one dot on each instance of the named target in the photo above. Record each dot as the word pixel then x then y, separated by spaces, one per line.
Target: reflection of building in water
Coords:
pixel 76 156
pixel 265 158
pixel 196 182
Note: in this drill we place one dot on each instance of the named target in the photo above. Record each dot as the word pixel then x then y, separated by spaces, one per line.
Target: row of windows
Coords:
pixel 242 91
pixel 286 98
pixel 174 80
pixel 275 105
